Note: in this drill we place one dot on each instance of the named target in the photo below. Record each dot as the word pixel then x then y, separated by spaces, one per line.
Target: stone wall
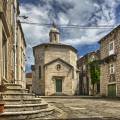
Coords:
pixel 39 84
pixel 105 72
pixel 52 53
pixel 50 82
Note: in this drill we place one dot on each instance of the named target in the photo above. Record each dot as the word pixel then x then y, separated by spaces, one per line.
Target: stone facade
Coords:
pixel 110 63
pixel 21 57
pixel 7 48
pixel 55 67
pixel 85 86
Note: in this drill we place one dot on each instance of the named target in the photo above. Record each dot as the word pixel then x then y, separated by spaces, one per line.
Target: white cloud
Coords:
pixel 63 18
pixel 81 12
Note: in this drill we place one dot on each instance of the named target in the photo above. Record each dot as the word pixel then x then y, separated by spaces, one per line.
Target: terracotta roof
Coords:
pixel 28 75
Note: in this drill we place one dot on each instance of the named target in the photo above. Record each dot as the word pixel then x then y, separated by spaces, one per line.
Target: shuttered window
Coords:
pixel 111 48
pixel 112 69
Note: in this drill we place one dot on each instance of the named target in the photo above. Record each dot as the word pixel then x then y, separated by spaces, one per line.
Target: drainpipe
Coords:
pixel 15 40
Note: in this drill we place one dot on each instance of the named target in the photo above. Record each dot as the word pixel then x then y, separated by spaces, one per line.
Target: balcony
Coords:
pixel 109 58
pixel 111 52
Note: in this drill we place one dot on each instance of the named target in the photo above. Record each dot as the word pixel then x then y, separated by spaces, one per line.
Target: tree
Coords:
pixel 94 73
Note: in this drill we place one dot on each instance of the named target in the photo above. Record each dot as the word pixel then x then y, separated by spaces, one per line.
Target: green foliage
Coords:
pixel 94 71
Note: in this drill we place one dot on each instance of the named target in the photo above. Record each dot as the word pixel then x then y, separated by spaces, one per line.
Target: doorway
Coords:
pixel 58 86
pixel 112 90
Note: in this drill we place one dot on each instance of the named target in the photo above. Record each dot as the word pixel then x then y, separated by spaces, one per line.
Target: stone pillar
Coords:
pixel 0 51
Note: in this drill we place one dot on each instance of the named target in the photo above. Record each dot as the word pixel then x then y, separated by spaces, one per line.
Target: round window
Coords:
pixel 58 67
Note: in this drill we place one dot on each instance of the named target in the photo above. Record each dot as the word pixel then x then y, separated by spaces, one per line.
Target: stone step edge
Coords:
pixel 25 105
pixel 33 99
pixel 11 84
pixel 26 112
pixel 18 94
pixel 72 97
pixel 17 89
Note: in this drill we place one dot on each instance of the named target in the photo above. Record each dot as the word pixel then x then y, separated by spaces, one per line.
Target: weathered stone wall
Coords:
pixel 105 72
pixel 117 70
pixel 52 53
pixel 39 84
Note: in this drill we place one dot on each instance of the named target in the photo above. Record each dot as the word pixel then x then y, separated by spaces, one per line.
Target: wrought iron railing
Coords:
pixel 109 59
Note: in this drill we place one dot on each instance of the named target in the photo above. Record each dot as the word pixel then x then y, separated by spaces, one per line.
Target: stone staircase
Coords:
pixel 21 105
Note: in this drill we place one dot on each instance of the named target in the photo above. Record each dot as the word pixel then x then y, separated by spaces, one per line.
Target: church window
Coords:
pixel 111 48
pixel 58 67
pixel 39 72
pixel 112 69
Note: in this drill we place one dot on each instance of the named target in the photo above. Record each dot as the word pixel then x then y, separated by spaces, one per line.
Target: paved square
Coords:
pixel 67 108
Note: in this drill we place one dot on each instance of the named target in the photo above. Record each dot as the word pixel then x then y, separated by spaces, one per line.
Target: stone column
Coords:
pixel 0 51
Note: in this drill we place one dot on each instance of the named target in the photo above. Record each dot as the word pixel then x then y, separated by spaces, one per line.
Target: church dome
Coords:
pixel 54 34
pixel 54 30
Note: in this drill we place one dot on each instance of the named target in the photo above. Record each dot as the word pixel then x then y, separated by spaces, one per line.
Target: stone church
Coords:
pixel 55 71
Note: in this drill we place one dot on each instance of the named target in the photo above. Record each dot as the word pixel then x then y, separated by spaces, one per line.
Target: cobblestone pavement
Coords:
pixel 94 109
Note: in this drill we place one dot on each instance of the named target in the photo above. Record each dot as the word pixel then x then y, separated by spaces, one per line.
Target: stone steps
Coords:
pixel 25 107
pixel 26 115
pixel 18 95
pixel 21 105
pixel 32 101
pixel 13 86
pixel 23 101
pixel 17 91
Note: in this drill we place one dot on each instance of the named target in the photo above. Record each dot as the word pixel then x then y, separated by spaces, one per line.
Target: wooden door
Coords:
pixel 112 90
pixel 58 85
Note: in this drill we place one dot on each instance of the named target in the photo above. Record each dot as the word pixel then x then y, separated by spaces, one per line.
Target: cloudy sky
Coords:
pixel 67 12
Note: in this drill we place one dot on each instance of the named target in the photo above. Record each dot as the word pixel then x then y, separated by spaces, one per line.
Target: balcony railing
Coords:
pixel 108 59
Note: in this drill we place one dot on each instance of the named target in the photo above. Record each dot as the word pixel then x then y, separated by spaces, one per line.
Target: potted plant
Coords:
pixel 2 89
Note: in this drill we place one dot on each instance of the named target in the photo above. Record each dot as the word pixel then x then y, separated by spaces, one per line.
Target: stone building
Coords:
pixel 85 86
pixel 18 104
pixel 8 31
pixel 55 67
pixel 110 63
